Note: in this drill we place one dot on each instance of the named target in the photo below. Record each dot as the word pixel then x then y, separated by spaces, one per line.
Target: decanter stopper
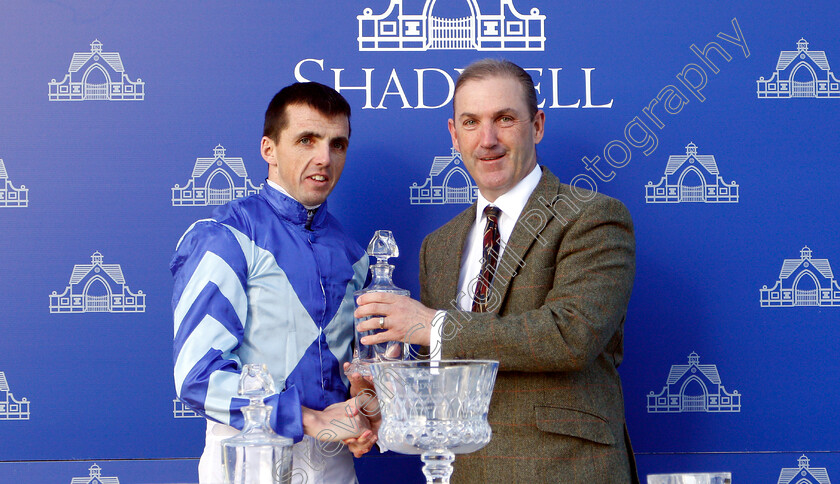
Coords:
pixel 256 383
pixel 383 246
pixel 257 455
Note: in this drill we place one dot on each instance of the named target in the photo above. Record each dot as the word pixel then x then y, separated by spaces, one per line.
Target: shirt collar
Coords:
pixel 289 208
pixel 512 202
pixel 284 192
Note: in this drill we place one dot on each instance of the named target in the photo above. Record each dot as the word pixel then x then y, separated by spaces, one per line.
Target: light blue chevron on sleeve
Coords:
pixel 205 357
pixel 212 268
pixel 223 384
pixel 209 333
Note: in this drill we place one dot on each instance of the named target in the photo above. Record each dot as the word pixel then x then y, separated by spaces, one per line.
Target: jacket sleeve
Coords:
pixel 210 307
pixel 567 304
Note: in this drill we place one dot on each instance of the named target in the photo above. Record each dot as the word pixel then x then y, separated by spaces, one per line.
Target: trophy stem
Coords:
pixel 437 466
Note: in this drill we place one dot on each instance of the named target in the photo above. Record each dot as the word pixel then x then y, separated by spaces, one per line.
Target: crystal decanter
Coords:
pixel 382 246
pixel 257 455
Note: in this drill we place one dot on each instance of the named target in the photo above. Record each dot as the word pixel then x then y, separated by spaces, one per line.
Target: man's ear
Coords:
pixel 539 126
pixel 268 150
pixel 454 136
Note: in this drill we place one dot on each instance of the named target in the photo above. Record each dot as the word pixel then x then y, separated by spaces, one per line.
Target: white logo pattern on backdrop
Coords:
pixel 9 195
pixel 97 288
pixel 804 473
pixel 215 181
pixel 803 282
pixel 95 477
pixel 182 410
pixel 692 178
pixel 448 182
pixel 10 407
pixel 800 73
pixel 693 388
pixel 506 30
pixel 97 76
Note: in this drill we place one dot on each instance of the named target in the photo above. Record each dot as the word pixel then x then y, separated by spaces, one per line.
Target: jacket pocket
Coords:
pixel 576 423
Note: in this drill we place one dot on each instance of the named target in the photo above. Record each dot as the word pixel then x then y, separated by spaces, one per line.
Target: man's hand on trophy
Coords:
pixel 366 404
pixel 359 383
pixel 364 398
pixel 335 423
pixel 402 318
pixel 361 445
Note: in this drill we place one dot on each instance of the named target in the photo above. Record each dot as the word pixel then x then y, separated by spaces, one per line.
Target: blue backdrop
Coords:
pixel 714 122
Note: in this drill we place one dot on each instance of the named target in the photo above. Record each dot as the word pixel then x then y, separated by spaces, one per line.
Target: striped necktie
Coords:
pixel 489 255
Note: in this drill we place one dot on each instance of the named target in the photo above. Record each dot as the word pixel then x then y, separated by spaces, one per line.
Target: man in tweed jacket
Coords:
pixel 556 303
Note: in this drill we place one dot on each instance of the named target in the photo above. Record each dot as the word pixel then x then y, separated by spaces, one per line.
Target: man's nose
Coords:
pixel 322 154
pixel 489 136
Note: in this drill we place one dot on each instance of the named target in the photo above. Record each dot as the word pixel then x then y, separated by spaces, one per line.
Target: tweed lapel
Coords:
pixel 453 236
pixel 522 237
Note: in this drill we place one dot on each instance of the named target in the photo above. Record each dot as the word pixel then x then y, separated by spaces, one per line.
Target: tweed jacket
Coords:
pixel 555 322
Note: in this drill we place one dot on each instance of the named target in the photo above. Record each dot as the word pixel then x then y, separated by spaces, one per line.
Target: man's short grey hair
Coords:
pixel 487 68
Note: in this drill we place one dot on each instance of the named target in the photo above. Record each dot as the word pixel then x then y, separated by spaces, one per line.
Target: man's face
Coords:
pixel 309 153
pixel 495 134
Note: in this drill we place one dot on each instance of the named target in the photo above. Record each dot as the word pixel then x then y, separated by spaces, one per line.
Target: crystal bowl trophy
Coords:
pixel 257 455
pixel 435 408
pixel 382 246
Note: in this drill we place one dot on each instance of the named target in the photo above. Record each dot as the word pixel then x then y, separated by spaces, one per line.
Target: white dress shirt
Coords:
pixel 511 203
